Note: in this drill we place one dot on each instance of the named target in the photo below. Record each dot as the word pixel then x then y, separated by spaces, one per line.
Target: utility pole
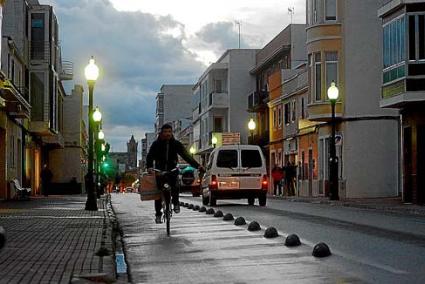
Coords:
pixel 291 11
pixel 239 26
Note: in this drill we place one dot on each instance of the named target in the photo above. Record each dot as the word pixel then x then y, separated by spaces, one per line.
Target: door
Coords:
pixel 227 169
pixel 421 164
pixel 407 164
pixel 252 168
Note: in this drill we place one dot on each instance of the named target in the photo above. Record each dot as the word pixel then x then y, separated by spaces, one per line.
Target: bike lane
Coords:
pixel 205 249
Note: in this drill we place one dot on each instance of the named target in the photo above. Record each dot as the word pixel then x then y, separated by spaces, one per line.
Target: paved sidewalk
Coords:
pixel 51 240
pixel 390 204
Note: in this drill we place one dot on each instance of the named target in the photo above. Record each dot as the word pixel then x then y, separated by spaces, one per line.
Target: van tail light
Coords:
pixel 265 183
pixel 214 183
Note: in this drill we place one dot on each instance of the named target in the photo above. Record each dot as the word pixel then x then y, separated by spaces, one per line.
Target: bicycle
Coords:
pixel 165 195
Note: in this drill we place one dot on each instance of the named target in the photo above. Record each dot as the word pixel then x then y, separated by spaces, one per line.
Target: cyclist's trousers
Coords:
pixel 174 194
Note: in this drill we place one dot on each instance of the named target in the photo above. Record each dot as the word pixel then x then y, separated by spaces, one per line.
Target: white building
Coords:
pixel 219 99
pixel 173 105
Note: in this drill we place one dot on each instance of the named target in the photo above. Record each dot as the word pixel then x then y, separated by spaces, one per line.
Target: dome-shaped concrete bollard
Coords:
pixel 196 208
pixel 270 233
pixel 240 221
pixel 228 217
pixel 186 204
pixel 218 214
pixel 203 209
pixel 321 250
pixel 254 226
pixel 181 203
pixel 210 211
pixel 190 206
pixel 292 241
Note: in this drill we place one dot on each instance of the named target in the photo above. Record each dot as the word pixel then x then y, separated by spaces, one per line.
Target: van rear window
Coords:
pixel 227 159
pixel 251 159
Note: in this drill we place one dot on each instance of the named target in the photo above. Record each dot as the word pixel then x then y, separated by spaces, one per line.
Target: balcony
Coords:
pixel 262 139
pixel 257 101
pixel 67 71
pixel 40 51
pixel 218 100
pixel 16 100
pixel 321 111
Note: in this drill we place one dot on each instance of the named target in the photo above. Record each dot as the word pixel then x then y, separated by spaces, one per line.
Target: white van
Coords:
pixel 235 172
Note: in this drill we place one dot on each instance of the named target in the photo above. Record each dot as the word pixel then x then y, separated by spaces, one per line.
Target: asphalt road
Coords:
pixel 367 247
pixel 381 247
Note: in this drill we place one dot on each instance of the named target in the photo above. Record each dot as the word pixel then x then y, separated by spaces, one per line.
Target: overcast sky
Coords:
pixel 140 45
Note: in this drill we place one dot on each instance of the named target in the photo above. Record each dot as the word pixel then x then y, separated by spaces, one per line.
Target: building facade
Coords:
pixel 344 43
pixel 219 99
pixel 403 87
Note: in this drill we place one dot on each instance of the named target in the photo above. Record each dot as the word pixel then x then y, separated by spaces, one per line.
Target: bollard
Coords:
pixel 203 209
pixel 321 250
pixel 254 226
pixel 270 233
pixel 190 206
pixel 292 241
pixel 240 221
pixel 196 208
pixel 210 211
pixel 228 217
pixel 218 214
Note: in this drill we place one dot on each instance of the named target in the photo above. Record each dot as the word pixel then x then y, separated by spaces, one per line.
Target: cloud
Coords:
pixel 136 53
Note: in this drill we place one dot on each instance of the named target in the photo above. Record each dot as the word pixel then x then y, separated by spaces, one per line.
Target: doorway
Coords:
pixel 421 165
pixel 407 165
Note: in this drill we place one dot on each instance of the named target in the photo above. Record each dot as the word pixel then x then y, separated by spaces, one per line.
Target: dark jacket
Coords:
pixel 158 153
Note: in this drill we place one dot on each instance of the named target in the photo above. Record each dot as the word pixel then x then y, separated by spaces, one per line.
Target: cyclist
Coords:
pixel 163 152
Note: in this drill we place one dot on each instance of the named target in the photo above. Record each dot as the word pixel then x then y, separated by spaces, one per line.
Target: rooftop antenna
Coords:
pixel 291 11
pixel 239 27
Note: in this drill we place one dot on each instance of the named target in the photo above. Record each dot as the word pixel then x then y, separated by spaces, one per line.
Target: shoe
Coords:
pixel 158 219
pixel 177 208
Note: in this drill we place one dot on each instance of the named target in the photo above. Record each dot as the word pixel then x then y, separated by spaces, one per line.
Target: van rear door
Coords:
pixel 252 168
pixel 227 169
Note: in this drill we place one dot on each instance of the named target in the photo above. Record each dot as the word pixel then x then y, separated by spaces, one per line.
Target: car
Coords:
pixel 189 180
pixel 235 172
pixel 129 189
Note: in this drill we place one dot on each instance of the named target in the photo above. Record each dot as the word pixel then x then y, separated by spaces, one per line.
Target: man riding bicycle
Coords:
pixel 163 152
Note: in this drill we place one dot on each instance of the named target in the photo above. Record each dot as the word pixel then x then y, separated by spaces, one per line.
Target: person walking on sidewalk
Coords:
pixel 277 175
pixel 46 180
pixel 163 152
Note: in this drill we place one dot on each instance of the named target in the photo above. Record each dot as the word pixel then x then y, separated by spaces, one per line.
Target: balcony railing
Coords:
pixel 67 72
pixel 257 100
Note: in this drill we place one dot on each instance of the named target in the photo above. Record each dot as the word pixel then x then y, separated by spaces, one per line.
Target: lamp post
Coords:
pixel 91 73
pixel 192 150
pixel 97 118
pixel 214 141
pixel 333 160
pixel 251 126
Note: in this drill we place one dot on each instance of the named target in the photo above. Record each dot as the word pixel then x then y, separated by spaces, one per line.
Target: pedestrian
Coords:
pixel 277 175
pixel 46 180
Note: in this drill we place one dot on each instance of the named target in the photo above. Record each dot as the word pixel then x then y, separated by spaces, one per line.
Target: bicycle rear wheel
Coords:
pixel 167 212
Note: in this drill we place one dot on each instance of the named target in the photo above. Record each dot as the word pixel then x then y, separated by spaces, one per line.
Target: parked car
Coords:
pixel 189 180
pixel 235 172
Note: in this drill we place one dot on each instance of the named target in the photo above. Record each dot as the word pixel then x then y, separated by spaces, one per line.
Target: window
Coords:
pixel 416 36
pixel 280 116
pixel 287 113
pixel 217 86
pixel 251 159
pixel 218 124
pixel 331 68
pixel 330 10
pixel 293 110
pixel 394 53
pixel 227 159
pixel 318 76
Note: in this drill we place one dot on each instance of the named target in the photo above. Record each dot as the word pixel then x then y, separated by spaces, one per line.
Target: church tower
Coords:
pixel 132 153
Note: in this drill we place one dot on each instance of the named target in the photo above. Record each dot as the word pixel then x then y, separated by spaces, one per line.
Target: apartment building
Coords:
pixel 173 105
pixel 344 44
pixel 219 100
pixel 403 88
pixel 146 143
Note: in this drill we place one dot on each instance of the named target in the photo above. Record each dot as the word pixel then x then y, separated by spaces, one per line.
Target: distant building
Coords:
pixel 173 104
pixel 146 145
pixel 126 161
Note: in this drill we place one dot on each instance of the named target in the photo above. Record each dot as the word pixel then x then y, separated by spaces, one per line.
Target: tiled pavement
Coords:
pixel 51 239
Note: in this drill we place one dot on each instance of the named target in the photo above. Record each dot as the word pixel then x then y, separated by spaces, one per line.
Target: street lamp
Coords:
pixel 97 115
pixel 333 160
pixel 251 126
pixel 214 141
pixel 192 150
pixel 91 73
pixel 101 135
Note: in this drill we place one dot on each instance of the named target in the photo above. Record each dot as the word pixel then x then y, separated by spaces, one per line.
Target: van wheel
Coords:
pixel 251 201
pixel 213 200
pixel 204 200
pixel 262 199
